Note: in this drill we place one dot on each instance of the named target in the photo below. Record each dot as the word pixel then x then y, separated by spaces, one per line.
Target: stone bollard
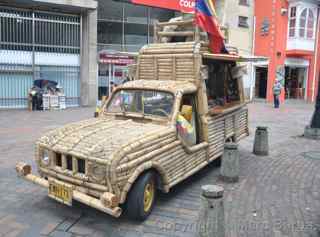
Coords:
pixel 211 215
pixel 230 163
pixel 261 143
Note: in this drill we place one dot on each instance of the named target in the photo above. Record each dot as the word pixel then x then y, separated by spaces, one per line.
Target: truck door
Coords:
pixel 189 133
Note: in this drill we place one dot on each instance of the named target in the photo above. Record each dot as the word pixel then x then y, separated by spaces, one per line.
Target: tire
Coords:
pixel 139 208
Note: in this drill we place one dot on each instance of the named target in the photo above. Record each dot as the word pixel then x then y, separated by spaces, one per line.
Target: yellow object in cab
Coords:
pixel 186 112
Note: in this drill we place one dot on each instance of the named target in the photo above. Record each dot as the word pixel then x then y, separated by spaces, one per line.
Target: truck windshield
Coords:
pixel 145 102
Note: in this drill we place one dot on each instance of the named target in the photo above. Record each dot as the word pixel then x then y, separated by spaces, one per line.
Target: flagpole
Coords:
pixel 197 34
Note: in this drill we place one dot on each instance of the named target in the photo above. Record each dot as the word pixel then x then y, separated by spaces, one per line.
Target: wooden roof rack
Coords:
pixel 165 31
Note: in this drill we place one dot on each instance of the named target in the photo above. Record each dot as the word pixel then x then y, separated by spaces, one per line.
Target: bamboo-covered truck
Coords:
pixel 134 149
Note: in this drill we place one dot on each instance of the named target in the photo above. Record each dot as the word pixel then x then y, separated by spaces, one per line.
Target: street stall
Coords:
pixel 46 95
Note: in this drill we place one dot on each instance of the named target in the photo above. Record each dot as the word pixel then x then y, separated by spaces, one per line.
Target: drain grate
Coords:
pixel 314 155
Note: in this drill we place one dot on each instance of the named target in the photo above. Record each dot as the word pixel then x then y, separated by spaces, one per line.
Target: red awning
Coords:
pixel 186 6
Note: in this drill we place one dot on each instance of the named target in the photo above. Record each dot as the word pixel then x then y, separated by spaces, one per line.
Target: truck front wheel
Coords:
pixel 142 197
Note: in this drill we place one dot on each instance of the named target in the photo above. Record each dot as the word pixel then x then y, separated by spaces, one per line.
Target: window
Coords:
pixel 243 22
pixel 292 21
pixel 303 20
pixel 244 2
pixel 188 118
pixel 306 24
pixel 144 102
pixel 310 25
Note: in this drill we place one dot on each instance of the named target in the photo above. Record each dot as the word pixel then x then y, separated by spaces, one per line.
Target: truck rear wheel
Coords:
pixel 142 197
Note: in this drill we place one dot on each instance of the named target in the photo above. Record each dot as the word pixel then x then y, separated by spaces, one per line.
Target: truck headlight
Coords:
pixel 45 160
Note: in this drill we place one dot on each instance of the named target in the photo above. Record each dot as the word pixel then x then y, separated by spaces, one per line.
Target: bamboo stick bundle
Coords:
pixel 166 62
pixel 171 160
pixel 138 154
pixel 164 138
pixel 109 200
pixel 177 23
pixel 214 155
pixel 146 157
pixel 180 55
pixel 178 174
pixel 186 175
pixel 217 143
pixel 190 161
pixel 216 139
pixel 215 131
pixel 165 70
pixel 170 50
pixel 168 46
pixel 171 44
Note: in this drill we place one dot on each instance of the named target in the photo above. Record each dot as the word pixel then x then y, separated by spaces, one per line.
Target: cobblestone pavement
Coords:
pixel 277 195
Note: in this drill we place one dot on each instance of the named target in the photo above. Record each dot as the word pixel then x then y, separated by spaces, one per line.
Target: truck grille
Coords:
pixel 70 163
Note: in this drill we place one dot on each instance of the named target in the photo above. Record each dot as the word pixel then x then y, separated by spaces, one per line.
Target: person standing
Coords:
pixel 277 87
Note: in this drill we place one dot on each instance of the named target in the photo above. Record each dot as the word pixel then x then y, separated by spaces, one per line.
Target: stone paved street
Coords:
pixel 278 195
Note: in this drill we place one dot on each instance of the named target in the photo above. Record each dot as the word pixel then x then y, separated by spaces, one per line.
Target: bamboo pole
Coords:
pixel 178 23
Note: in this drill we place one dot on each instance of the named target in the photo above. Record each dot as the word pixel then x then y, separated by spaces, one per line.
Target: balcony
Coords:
pixel 300 44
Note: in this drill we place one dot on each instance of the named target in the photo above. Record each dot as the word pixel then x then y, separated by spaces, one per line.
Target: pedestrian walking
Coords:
pixel 277 87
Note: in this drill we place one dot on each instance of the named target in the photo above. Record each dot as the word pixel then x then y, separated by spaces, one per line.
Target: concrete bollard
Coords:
pixel 211 215
pixel 230 163
pixel 261 143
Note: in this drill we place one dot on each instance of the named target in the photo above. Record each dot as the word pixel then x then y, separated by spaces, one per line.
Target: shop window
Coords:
pixel 306 24
pixel 292 21
pixel 243 22
pixel 222 87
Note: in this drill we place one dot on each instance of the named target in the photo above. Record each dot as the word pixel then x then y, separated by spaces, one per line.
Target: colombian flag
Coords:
pixel 206 19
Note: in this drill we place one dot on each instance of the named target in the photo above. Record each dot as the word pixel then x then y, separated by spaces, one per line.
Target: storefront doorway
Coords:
pixel 261 82
pixel 295 82
pixel 113 71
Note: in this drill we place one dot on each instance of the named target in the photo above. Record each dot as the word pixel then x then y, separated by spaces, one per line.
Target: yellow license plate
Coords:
pixel 60 192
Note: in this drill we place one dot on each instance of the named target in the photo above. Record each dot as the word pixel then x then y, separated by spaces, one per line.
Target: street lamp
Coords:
pixel 313 131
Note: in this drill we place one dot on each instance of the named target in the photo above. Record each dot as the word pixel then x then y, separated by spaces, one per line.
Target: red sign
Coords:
pixel 106 58
pixel 186 6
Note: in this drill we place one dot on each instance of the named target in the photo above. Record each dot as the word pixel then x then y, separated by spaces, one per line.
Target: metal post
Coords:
pixel 0 32
pixel 148 24
pixel 33 47
pixel 109 81
pixel 123 29
pixel 81 57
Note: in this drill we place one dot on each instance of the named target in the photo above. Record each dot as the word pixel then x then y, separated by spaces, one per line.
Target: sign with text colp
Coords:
pixel 186 6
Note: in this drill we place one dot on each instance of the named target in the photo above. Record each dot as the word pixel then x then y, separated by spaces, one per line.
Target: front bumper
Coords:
pixel 24 171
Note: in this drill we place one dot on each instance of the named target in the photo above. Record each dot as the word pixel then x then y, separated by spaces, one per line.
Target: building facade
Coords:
pixel 237 17
pixel 123 28
pixel 51 40
pixel 287 32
